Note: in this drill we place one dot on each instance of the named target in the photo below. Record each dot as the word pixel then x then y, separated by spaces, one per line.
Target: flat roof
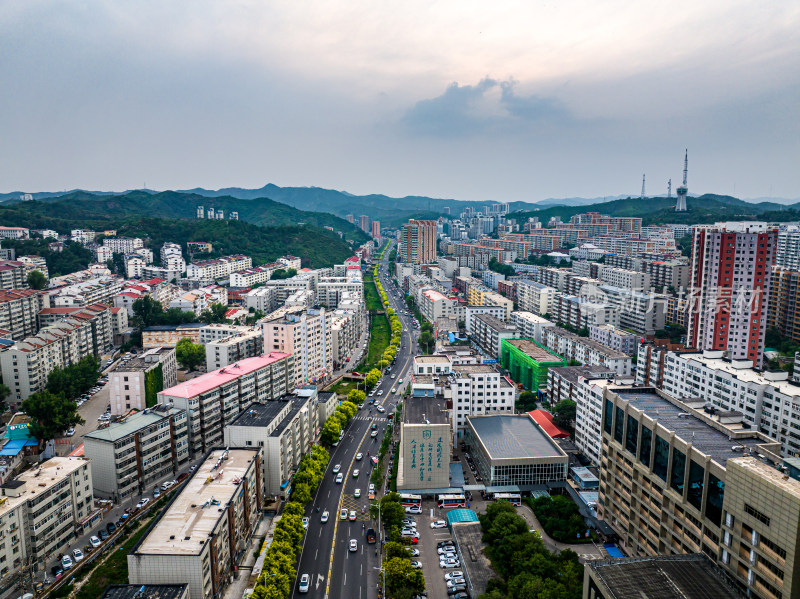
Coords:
pixel 494 322
pixel 513 437
pixel 691 429
pixel 146 591
pixel 434 359
pixel 417 409
pixel 747 375
pixel 573 373
pixel 130 424
pixel 189 519
pixel 260 414
pixel 534 351
pixel 468 537
pixel 595 345
pixel 689 576
pixel 297 403
pixel 215 378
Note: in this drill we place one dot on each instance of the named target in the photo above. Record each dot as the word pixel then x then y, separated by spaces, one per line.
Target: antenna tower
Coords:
pixel 642 196
pixel 669 188
pixel 683 190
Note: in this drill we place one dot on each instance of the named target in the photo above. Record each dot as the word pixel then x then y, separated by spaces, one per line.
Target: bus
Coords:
pixel 408 500
pixel 512 498
pixel 450 501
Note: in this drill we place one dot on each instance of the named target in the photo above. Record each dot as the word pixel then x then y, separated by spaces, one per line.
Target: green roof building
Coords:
pixel 528 361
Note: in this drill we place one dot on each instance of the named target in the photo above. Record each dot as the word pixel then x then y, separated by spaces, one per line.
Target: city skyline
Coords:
pixel 510 102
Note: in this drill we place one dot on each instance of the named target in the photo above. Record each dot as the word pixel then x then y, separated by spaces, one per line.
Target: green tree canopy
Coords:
pixel 526 401
pixel 51 415
pixel 400 574
pixel 37 280
pixel 564 413
pixel 190 354
pixel 356 396
pixel 215 314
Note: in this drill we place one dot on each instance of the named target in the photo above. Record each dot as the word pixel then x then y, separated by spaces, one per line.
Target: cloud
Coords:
pixel 488 106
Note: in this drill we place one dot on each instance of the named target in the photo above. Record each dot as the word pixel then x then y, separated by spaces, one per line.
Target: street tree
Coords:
pixel 50 414
pixel 526 401
pixel 215 314
pixel 564 413
pixel 189 354
pixel 147 312
pixel 400 574
pixel 356 396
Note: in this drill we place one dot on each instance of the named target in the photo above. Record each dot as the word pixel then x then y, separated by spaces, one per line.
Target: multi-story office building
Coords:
pixel 308 337
pixel 530 325
pixel 614 337
pixel 14 233
pixel 434 305
pixel 787 252
pixel 418 242
pixel 363 223
pixel 218 269
pixel 285 431
pixel 477 389
pixel 18 310
pixel 231 349
pixel 132 454
pixel 731 271
pixel 674 480
pixel 135 383
pixel 200 536
pixel 42 511
pixel 214 399
pixel 767 400
pixel 535 297
pixel 586 351
pixel 783 311
pixel 488 333
pixel 426 440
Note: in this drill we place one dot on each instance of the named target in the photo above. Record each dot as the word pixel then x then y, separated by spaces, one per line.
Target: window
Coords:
pixel 716 494
pixel 632 438
pixel 749 509
pixel 644 447
pixel 696 476
pixel 619 423
pixel 661 458
pixel 678 470
pixel 608 417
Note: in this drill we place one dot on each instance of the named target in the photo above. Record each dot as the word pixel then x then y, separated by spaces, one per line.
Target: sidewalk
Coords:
pixel 586 551
pixel 242 579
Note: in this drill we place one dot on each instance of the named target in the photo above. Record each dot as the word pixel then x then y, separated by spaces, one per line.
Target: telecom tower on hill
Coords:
pixel 683 190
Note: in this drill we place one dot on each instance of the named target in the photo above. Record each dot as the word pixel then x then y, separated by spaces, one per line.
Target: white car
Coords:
pixel 412 551
pixel 343 515
pixel 352 515
pixel 453 575
pixel 451 563
pixel 356 473
pixel 448 556
pixel 66 562
pixel 305 584
pixel 359 456
pixel 167 485
pixel 438 524
pixel 417 565
pixel 357 493
pixel 339 478
pixel 408 532
pixel 324 517
pixel 353 545
pixel 95 541
pixel 77 555
pixel 143 502
pixel 336 468
pixel 381 409
pixel 446 549
pixel 456 581
pixel 380 392
pixel 414 509
pixel 305 523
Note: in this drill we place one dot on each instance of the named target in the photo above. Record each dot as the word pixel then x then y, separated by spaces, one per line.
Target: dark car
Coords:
pixel 462 595
pixel 460 588
pixel 103 535
pixel 111 527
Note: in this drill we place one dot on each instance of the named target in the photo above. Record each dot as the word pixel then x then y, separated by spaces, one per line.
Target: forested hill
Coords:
pixel 172 204
pixel 317 247
pixel 707 208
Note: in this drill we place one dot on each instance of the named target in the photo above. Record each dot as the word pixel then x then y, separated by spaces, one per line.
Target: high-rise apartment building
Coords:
pixel 363 221
pixel 784 302
pixel 787 254
pixel 376 229
pixel 418 242
pixel 731 271
pixel 308 337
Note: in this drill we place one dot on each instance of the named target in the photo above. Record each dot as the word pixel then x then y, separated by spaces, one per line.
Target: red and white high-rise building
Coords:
pixel 418 242
pixel 730 283
pixel 376 229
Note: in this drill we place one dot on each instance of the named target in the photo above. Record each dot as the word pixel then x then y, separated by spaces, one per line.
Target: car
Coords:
pixel 66 562
pixel 373 434
pixel 357 493
pixel 409 520
pixel 456 589
pixel 445 549
pixel 453 574
pixel 77 555
pixel 305 523
pixel 417 565
pixel 111 527
pixel 339 478
pixel 453 582
pixel 413 552
pixel 394 375
pixel 359 456
pixel 356 473
pixel 126 514
pixel 460 595
pixel 324 517
pixel 156 493
pixel 438 524
pixel 343 515
pixel 193 468
pixel 95 541
pixel 380 392
pixel 336 468
pixel 413 509
pixel 167 485
pixel 448 555
pixel 57 572
pixel 381 409
pixel 353 545
pixel 103 535
pixel 400 382
pixel 70 432
pixel 305 584
pixel 408 532
pixel 142 502
pixel 394 390
pixel 451 563
pixel 103 417
pixel 352 515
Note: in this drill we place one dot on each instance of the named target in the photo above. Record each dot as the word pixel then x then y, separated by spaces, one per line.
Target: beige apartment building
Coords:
pixel 676 480
pixel 308 337
pixel 135 383
pixel 130 455
pixel 426 440
pixel 203 532
pixel 238 346
pixel 18 310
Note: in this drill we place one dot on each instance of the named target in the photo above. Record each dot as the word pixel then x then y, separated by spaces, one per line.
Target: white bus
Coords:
pixel 512 498
pixel 451 501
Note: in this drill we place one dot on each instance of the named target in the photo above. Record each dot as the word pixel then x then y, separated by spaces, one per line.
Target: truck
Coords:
pixel 371 535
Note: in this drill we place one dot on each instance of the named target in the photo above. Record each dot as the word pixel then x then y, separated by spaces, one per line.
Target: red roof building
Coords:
pixel 545 420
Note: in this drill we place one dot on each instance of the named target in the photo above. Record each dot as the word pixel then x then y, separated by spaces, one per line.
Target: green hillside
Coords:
pixel 704 209
pixel 317 247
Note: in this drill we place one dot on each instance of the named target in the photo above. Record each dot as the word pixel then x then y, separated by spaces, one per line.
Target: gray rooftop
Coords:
pixel 691 576
pixel 494 323
pixel 297 404
pixel 572 373
pixel 417 409
pixel 261 414
pixel 130 424
pixel 596 345
pixel 146 591
pixel 468 537
pixel 510 437
pixel 703 437
pixel 324 396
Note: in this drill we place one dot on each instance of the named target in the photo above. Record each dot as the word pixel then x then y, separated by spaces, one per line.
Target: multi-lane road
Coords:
pixel 335 571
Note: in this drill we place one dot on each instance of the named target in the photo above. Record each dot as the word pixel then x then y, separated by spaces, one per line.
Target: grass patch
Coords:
pixel 371 297
pixel 345 387
pixel 379 335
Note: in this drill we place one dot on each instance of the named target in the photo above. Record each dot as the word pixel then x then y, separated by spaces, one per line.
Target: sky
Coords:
pixel 507 101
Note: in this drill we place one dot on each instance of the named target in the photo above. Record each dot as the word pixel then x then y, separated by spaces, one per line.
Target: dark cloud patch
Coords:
pixel 464 110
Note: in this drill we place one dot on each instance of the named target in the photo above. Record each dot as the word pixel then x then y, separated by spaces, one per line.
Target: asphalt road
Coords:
pixel 335 571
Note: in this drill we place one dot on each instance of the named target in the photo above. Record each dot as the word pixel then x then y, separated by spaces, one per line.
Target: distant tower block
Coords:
pixel 643 191
pixel 683 190
pixel 201 212
pixel 669 188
